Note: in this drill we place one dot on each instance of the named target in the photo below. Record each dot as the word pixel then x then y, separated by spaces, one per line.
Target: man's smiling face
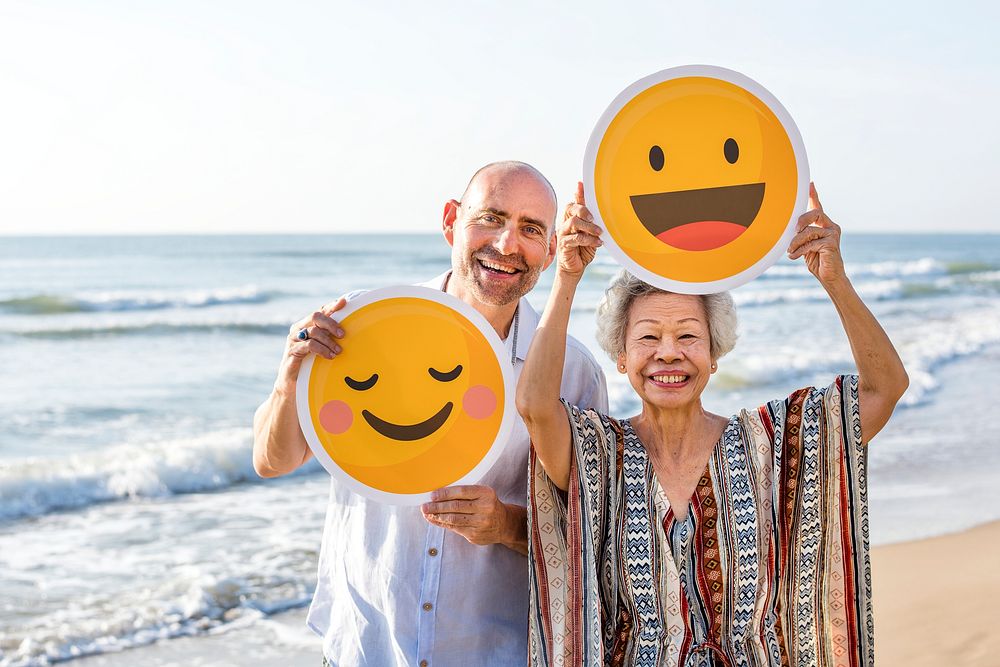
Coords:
pixel 501 233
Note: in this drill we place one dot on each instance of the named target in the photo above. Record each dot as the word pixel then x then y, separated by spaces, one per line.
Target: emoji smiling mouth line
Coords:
pixel 727 210
pixel 409 432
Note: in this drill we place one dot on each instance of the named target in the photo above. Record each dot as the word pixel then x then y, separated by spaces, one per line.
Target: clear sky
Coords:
pixel 229 116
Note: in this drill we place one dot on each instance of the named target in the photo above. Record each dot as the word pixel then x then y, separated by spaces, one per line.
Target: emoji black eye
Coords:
pixel 359 385
pixel 732 151
pixel 446 377
pixel 656 158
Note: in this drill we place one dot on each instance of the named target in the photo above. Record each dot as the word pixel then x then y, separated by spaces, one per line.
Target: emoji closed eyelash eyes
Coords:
pixel 361 385
pixel 446 377
pixel 401 416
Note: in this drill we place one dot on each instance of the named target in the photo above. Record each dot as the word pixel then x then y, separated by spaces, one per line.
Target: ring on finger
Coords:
pixel 303 334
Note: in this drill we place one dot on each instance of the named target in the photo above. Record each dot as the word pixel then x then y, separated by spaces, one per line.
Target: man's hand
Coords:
pixel 817 238
pixel 323 332
pixel 579 237
pixel 475 513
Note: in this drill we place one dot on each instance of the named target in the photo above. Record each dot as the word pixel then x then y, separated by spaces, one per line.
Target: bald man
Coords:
pixel 446 583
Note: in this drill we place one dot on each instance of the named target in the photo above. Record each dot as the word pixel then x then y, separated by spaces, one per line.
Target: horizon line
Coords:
pixel 408 232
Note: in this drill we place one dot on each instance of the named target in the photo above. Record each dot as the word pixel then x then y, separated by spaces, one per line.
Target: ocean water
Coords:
pixel 130 368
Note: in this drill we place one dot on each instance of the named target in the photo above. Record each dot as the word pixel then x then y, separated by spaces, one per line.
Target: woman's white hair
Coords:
pixel 613 312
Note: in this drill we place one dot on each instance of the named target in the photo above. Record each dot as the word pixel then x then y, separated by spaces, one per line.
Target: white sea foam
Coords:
pixel 115 576
pixel 938 342
pixel 985 277
pixel 33 487
pixel 63 330
pixel 925 266
pixel 133 300
pixel 881 290
pixel 180 607
pixel 189 299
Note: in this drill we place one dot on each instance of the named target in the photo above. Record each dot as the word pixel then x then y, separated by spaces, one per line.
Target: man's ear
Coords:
pixel 448 220
pixel 551 254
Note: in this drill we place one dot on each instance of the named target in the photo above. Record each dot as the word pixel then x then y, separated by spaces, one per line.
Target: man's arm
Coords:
pixel 278 444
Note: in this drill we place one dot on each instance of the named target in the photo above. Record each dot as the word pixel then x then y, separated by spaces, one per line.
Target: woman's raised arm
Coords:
pixel 538 386
pixel 881 376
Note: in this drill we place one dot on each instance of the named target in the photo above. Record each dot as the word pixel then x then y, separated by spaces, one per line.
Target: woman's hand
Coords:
pixel 817 238
pixel 578 237
pixel 881 376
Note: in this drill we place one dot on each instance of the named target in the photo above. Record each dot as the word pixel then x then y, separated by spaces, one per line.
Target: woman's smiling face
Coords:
pixel 667 354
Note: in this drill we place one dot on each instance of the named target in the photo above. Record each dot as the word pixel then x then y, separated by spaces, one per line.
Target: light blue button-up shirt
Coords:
pixel 395 590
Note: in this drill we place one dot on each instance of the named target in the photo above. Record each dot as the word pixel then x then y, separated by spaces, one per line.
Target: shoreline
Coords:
pixel 925 614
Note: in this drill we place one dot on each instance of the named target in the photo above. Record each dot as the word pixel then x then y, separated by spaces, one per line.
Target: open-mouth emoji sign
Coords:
pixel 419 398
pixel 697 174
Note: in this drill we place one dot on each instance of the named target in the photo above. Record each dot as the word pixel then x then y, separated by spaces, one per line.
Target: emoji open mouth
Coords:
pixel 412 431
pixel 702 219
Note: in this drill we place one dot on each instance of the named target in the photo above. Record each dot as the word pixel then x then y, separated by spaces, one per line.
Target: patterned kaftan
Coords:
pixel 770 566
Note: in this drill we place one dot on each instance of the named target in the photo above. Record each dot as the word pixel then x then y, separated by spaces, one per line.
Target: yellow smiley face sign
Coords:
pixel 419 399
pixel 697 175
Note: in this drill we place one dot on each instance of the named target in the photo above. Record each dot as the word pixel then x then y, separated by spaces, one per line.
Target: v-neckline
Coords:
pixel 671 517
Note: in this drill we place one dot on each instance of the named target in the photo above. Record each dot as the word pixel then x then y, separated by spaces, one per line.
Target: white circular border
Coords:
pixel 506 422
pixel 801 164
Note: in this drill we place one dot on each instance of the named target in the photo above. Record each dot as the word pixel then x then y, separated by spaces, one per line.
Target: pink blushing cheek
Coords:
pixel 335 417
pixel 479 402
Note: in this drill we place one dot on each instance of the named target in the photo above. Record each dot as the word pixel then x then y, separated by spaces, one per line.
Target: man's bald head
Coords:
pixel 510 168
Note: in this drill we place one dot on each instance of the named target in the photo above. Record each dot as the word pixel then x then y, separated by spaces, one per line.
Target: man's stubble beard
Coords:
pixel 470 272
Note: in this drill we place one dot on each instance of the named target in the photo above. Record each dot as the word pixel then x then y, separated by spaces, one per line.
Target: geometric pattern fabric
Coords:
pixel 770 565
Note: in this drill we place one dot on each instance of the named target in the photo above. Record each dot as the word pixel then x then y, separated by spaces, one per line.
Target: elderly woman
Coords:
pixel 682 537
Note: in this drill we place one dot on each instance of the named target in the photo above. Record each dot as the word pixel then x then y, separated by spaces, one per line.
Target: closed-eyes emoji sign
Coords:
pixel 418 399
pixel 697 175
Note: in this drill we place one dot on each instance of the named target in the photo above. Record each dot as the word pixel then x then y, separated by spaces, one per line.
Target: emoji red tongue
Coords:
pixel 705 235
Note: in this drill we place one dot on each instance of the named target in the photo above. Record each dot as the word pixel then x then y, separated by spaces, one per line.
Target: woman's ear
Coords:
pixel 621 362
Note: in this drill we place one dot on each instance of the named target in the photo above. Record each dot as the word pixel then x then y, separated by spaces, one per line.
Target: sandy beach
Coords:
pixel 935 600
pixel 925 615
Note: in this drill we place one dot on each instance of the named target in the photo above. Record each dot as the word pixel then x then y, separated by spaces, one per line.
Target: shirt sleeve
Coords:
pixel 583 381
pixel 595 439
pixel 567 535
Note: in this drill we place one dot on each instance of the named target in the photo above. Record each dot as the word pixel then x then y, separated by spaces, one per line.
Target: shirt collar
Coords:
pixel 528 322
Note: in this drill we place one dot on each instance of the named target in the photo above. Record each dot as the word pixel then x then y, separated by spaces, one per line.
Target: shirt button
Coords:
pixel 428 606
pixel 433 552
pixel 423 663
